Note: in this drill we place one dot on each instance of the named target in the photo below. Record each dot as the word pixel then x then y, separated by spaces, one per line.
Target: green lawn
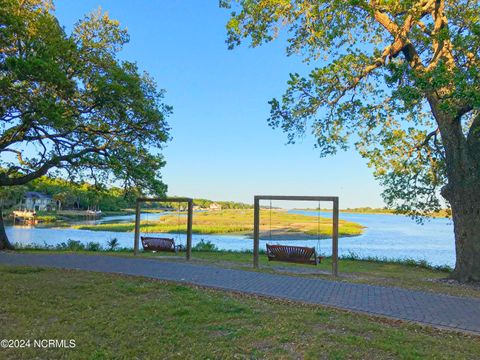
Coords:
pixel 121 317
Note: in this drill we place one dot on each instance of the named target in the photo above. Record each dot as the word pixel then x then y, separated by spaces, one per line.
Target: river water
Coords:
pixel 385 236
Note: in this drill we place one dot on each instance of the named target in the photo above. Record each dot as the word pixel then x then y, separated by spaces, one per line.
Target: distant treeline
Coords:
pixel 204 203
pixel 199 203
pixel 72 195
pixel 370 210
pixel 362 210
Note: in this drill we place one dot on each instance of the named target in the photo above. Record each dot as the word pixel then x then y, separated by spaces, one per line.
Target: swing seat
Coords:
pixel 295 254
pixel 159 244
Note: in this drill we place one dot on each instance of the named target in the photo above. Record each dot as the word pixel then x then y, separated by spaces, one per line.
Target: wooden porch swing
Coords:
pixel 159 244
pixel 164 244
pixel 295 254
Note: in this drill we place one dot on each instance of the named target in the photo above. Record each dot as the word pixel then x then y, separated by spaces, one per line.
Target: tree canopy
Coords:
pixel 389 70
pixel 67 102
pixel 69 105
pixel 400 80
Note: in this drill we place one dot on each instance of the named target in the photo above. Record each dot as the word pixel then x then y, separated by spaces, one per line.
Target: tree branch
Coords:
pixel 401 44
pixel 443 48
pixel 42 170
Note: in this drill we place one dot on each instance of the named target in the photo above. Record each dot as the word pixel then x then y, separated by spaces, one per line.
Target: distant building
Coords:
pixel 36 201
pixel 215 206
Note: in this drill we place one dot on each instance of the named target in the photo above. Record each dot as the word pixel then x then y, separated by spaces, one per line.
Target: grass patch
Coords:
pixel 424 264
pixel 113 316
pixel 239 222
pixel 22 270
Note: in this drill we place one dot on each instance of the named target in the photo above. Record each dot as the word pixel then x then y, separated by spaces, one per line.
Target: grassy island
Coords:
pixel 282 224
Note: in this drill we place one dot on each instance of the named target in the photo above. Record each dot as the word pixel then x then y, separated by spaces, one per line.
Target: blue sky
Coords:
pixel 222 147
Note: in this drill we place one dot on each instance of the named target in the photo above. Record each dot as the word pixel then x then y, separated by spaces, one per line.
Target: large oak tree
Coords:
pixel 68 104
pixel 400 79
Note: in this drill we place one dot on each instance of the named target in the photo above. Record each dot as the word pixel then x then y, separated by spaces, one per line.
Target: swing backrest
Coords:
pixel 158 244
pixel 296 254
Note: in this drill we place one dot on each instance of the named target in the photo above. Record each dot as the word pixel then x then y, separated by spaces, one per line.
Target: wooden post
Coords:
pixel 189 229
pixel 256 231
pixel 335 238
pixel 137 228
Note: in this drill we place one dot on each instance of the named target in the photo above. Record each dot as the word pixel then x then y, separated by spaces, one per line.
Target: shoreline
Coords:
pixel 433 216
pixel 285 236
pixel 278 225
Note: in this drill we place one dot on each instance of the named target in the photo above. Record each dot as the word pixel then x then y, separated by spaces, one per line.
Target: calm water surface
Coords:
pixel 386 236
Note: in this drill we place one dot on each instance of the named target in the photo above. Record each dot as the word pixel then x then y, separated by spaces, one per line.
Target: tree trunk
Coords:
pixel 465 205
pixel 462 191
pixel 4 243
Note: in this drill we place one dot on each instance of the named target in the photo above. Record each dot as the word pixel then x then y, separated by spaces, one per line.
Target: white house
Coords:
pixel 215 206
pixel 33 200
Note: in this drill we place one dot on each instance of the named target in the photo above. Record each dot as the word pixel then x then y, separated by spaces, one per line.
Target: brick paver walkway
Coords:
pixel 428 308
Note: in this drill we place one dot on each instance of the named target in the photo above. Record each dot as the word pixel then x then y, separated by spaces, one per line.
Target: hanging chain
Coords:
pixel 270 220
pixel 318 227
pixel 178 222
pixel 146 220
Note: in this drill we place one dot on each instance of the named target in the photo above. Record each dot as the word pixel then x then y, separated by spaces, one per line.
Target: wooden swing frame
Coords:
pixel 256 223
pixel 141 200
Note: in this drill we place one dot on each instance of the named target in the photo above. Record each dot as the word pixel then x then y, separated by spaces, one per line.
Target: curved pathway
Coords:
pixel 437 310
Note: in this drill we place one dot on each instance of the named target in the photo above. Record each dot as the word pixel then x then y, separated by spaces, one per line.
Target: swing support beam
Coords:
pixel 256 223
pixel 141 200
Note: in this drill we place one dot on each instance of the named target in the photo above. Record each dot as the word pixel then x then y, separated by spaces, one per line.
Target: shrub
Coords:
pixel 112 244
pixel 47 218
pixel 72 245
pixel 422 264
pixel 93 246
pixel 205 246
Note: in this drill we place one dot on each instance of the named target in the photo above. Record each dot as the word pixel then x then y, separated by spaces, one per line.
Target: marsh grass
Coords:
pixel 238 222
